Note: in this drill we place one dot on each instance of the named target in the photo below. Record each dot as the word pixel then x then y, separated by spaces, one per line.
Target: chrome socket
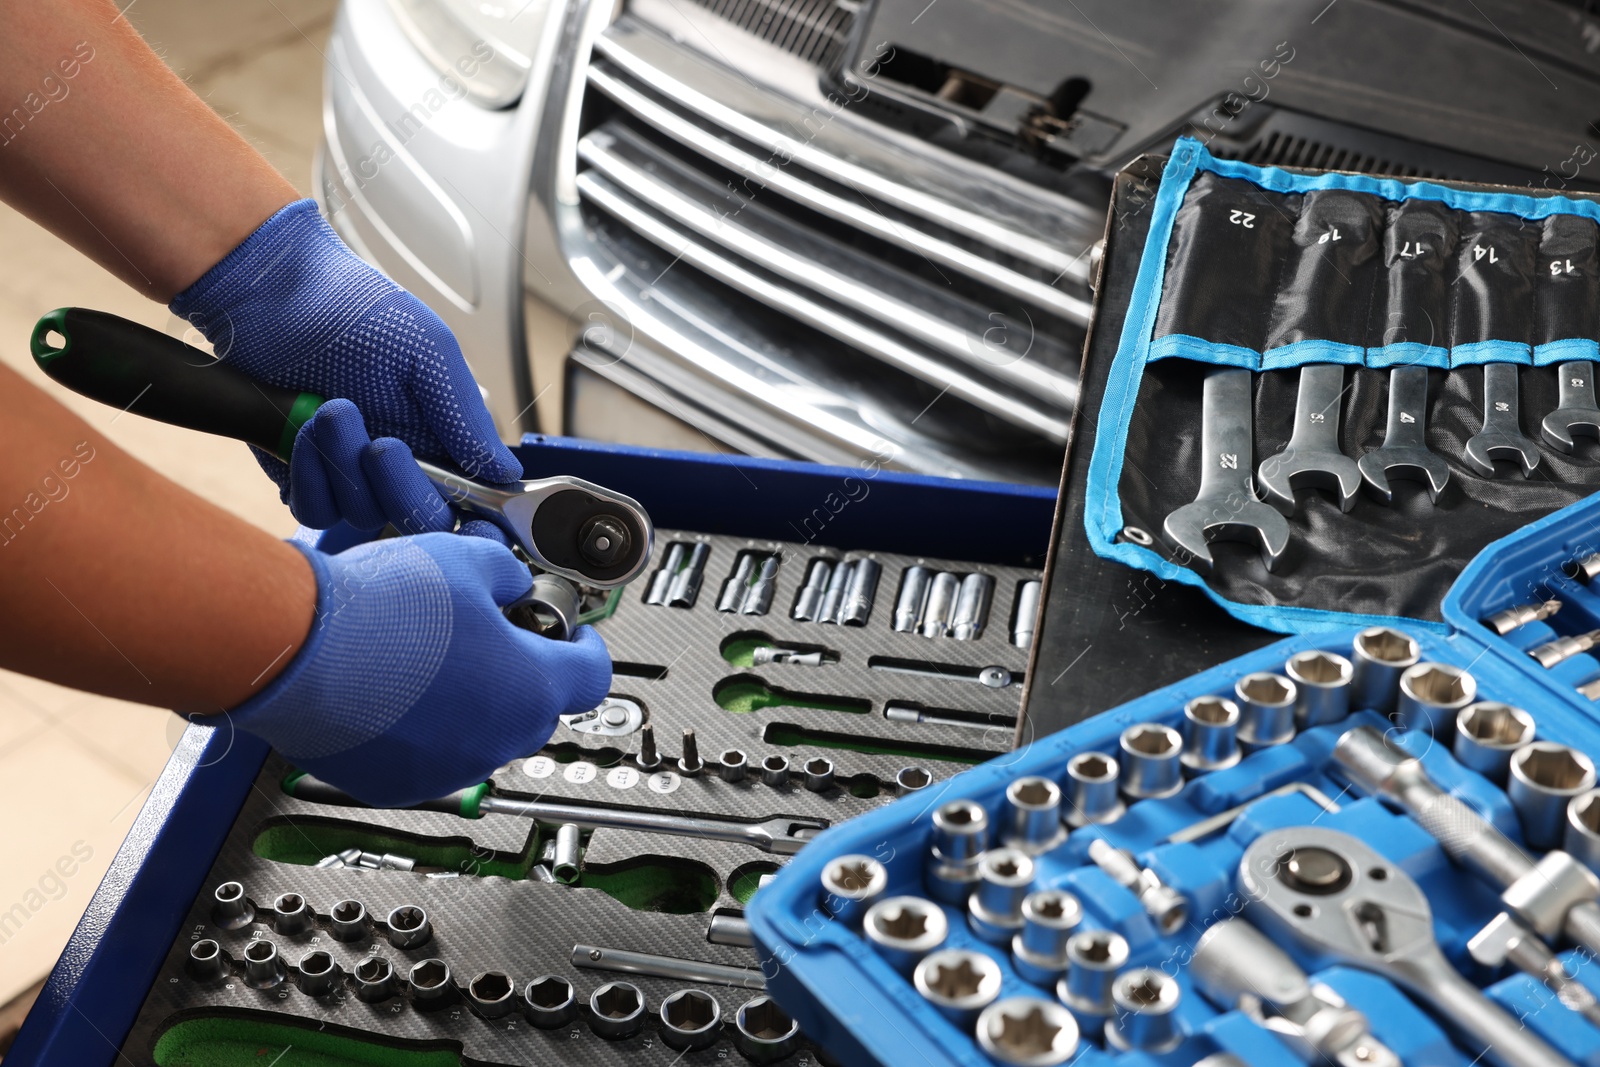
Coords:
pixel 1544 778
pixel 1585 568
pixel 775 771
pixel 910 780
pixel 350 857
pixel 208 961
pixel 374 979
pixel 1431 695
pixel 690 1019
pixel 290 915
pixel 1144 1002
pixel 263 967
pixel 1487 733
pixel 1093 796
pixel 1582 839
pixel 567 864
pixel 1093 959
pixel 1160 901
pixel 231 908
pixel 1152 761
pixel 1049 918
pixel 809 600
pixel 1032 816
pixel 492 994
pixel 409 927
pixel 1210 734
pixel 818 774
pixel 731 596
pixel 732 766
pixel 960 835
pixel 347 921
pixel 851 884
pixel 959 982
pixel 616 1010
pixel 1520 615
pixel 764 1032
pixel 972 607
pixel 994 910
pixel 914 585
pixel 431 984
pixel 1266 709
pixel 1554 653
pixel 661 580
pixel 1379 655
pixel 317 974
pixel 690 764
pixel 833 596
pixel 549 1002
pixel 905 929
pixel 861 592
pixel 941 601
pixel 733 930
pixel 1027 613
pixel 684 589
pixel 758 598
pixel 1322 682
pixel 1028 1032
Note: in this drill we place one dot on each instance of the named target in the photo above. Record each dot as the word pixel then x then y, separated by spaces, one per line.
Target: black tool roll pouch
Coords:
pixel 1311 302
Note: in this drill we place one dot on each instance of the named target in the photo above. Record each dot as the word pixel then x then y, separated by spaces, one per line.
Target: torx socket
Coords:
pixel 492 994
pixel 1544 778
pixel 409 926
pixel 1027 1032
pixel 263 967
pixel 775 771
pixel 851 884
pixel 764 1032
pixel 648 759
pixel 1431 695
pixel 1487 733
pixel 960 835
pixel 1210 734
pixel 818 773
pixel 905 929
pixel 1026 613
pixel 1520 615
pixel 567 864
pixel 994 910
pixel 1039 951
pixel 1322 684
pixel 1144 1002
pixel 833 596
pixel 207 960
pixel 914 583
pixel 690 764
pixel 431 984
pixel 909 780
pixel 616 1010
pixel 230 907
pixel 1582 838
pixel 732 766
pixel 1585 568
pixel 661 580
pixel 1266 709
pixel 1032 820
pixel 1151 761
pixel 347 921
pixel 290 915
pixel 317 974
pixel 1554 653
pixel 1378 656
pixel 971 612
pixel 809 600
pixel 690 1019
pixel 941 601
pixel 758 598
pixel 1093 796
pixel 958 982
pixel 684 589
pixel 1093 959
pixel 731 598
pixel 550 1002
pixel 861 593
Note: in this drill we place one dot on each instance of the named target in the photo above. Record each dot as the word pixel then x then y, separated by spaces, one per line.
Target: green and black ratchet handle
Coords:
pixel 568 526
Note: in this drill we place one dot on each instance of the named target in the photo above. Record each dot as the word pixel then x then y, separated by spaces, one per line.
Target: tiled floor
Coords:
pixel 259 63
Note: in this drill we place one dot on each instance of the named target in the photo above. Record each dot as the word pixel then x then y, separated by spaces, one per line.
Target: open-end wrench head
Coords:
pixel 1489 445
pixel 1563 424
pixel 1292 469
pixel 1192 527
pixel 1407 463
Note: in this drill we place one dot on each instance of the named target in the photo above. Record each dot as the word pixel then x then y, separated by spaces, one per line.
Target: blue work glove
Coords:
pixel 294 307
pixel 412 683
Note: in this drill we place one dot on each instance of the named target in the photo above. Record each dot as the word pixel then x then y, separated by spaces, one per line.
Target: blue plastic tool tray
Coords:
pixel 852 1001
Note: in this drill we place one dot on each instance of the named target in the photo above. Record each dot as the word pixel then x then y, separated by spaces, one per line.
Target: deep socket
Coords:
pixel 994 910
pixel 1431 695
pixel 1322 684
pixel 758 598
pixel 1487 733
pixel 1520 615
pixel 1027 1032
pixel 960 835
pixel 1151 761
pixel 1032 815
pixel 1582 839
pixel 549 1002
pixel 856 607
pixel 731 598
pixel 684 588
pixel 1553 653
pixel 851 884
pixel 764 1032
pixel 914 585
pixel 230 907
pixel 732 766
pixel 941 601
pixel 567 864
pixel 689 764
pixel 374 979
pixel 1266 709
pixel 905 929
pixel 690 1019
pixel 818 772
pixel 1378 656
pixel 409 926
pixel 1026 613
pixel 207 960
pixel 971 612
pixel 958 982
pixel 492 994
pixel 1210 734
pixel 911 779
pixel 1544 778
pixel 616 1010
pixel 432 986
pixel 1039 951
pixel 290 916
pixel 347 921
pixel 1143 1003
pixel 263 968
pixel 775 771
pixel 833 596
pixel 1093 959
pixel 1093 796
pixel 809 600
pixel 661 580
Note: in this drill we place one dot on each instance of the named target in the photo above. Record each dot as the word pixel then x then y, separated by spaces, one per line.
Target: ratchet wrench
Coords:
pixel 567 526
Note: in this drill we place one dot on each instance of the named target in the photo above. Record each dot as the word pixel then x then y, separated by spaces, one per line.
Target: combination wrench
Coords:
pixel 1576 410
pixel 1405 450
pixel 1501 436
pixel 1312 459
pixel 1226 508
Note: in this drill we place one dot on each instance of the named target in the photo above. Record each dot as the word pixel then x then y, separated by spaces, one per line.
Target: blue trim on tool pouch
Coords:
pixel 1298 354
pixel 1567 351
pixel 1187 346
pixel 1408 354
pixel 1490 352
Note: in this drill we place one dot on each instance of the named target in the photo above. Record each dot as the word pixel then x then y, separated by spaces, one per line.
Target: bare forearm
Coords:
pixel 102 144
pixel 119 581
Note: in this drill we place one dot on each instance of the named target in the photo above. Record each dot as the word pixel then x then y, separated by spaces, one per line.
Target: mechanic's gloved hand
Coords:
pixel 293 306
pixel 412 683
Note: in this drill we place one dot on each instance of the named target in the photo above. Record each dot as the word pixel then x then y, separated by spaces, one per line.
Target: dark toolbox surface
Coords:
pixel 822 966
pixel 217 796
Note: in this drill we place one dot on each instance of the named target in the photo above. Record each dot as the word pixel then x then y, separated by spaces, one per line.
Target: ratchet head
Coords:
pixel 1489 445
pixel 1193 526
pixel 1410 463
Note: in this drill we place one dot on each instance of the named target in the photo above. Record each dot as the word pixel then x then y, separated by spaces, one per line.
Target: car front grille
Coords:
pixel 813 30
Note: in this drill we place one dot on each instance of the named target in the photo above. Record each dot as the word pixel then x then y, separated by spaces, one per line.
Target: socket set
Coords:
pixel 1372 846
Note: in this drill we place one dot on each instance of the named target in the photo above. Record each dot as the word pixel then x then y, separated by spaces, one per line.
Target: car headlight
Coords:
pixel 484 45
